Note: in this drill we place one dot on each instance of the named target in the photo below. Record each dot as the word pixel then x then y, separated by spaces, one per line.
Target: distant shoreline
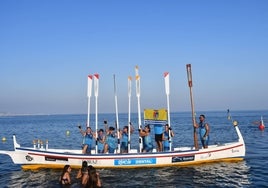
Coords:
pixel 58 114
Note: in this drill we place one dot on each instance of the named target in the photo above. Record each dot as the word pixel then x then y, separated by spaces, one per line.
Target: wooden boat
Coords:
pixel 34 158
pixel 44 157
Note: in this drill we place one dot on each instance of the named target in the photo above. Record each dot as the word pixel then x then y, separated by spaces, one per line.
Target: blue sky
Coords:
pixel 47 49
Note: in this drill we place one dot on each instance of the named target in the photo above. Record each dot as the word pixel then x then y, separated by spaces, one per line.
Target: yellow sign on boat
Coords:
pixel 156 115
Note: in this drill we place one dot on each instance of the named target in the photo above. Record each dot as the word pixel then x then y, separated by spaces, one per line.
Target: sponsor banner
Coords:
pixel 182 159
pixel 121 162
pixel 56 159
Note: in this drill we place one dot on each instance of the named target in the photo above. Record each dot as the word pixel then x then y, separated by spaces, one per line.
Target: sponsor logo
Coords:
pixel 28 158
pixel 122 162
pixel 156 114
pixel 205 156
pixel 92 161
pixel 182 159
pixel 235 150
pixel 56 159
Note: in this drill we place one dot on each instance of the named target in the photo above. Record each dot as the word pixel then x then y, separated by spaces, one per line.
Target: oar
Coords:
pixel 96 90
pixel 89 91
pixel 116 112
pixel 190 83
pixel 166 77
pixel 129 110
pixel 138 98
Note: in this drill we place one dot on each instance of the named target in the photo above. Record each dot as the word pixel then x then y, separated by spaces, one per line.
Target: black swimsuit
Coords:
pixel 64 181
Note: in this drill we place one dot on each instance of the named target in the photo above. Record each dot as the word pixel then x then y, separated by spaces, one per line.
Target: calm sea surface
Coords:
pixel 252 172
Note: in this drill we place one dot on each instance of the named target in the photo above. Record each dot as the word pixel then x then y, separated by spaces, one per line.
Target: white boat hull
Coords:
pixel 32 158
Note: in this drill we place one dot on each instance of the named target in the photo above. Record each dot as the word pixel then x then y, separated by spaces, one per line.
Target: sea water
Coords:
pixel 62 131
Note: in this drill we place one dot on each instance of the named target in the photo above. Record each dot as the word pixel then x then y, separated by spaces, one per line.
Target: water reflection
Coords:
pixel 222 175
pixel 209 175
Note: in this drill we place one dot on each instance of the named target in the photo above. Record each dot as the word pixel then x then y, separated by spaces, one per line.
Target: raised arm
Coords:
pixel 81 130
pixel 171 132
pixel 106 126
pixel 131 128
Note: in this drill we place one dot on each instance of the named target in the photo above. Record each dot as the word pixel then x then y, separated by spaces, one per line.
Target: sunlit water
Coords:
pixel 252 172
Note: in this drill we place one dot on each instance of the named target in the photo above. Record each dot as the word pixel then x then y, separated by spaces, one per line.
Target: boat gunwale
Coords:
pixel 130 155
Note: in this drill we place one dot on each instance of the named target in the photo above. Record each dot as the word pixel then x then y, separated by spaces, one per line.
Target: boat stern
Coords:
pixel 16 145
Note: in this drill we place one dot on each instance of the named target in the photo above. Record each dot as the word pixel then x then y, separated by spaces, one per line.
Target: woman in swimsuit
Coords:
pixel 94 178
pixel 65 178
pixel 146 139
pixel 83 173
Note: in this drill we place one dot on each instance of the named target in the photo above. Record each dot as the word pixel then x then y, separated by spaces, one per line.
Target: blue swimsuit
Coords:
pixel 111 141
pixel 147 143
pixel 202 132
pixel 124 143
pixel 87 140
pixel 100 145
pixel 166 141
